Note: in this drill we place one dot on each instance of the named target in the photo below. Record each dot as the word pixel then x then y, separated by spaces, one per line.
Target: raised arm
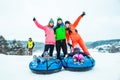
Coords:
pixel 38 24
pixel 77 20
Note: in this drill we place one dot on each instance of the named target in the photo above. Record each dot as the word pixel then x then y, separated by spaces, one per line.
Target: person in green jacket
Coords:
pixel 60 35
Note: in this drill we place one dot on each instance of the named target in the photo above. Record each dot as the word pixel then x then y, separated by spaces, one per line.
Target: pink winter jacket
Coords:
pixel 49 33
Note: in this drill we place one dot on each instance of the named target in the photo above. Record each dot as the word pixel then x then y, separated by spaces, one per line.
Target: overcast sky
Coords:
pixel 101 22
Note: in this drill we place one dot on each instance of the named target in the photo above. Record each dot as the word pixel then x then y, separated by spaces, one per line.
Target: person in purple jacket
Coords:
pixel 49 35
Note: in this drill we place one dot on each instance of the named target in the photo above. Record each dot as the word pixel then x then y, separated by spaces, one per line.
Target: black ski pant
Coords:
pixel 61 44
pixel 50 48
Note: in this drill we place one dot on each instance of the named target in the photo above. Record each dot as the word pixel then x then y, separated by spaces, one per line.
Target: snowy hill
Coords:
pixel 16 68
pixel 17 47
pixel 111 46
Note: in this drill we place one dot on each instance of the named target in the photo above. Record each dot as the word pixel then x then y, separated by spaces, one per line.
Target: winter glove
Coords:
pixel 83 14
pixel 34 19
pixel 69 44
pixel 89 56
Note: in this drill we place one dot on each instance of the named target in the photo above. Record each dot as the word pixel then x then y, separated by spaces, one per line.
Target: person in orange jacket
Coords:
pixel 71 33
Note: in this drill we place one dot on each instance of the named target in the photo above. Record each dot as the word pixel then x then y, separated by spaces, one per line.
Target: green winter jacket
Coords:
pixel 60 32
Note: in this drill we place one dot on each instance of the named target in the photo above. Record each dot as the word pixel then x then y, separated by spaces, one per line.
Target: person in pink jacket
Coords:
pixel 49 35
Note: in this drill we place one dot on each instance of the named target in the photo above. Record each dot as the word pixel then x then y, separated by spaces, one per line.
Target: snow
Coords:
pixel 17 68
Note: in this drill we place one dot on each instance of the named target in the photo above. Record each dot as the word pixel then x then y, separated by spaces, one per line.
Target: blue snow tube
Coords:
pixel 46 67
pixel 69 64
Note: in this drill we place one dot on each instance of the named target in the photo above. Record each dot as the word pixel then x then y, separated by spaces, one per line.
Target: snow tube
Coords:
pixel 69 64
pixel 46 67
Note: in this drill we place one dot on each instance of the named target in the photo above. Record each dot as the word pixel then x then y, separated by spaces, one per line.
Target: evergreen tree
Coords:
pixel 17 48
pixel 3 45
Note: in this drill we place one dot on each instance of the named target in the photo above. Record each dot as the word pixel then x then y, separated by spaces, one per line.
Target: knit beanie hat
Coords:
pixel 51 21
pixel 67 22
pixel 59 18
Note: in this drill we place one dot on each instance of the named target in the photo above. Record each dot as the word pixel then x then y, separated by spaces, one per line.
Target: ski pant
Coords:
pixel 30 51
pixel 61 44
pixel 81 44
pixel 49 47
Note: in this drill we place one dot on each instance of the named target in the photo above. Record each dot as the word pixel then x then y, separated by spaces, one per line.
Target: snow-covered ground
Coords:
pixel 17 68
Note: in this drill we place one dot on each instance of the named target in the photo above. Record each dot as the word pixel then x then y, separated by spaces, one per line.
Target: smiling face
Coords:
pixel 67 25
pixel 51 24
pixel 59 22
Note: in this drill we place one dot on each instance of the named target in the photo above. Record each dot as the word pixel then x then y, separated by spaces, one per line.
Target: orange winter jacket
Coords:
pixel 75 37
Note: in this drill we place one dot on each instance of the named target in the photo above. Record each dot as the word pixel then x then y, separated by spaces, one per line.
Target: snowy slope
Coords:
pixel 16 68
